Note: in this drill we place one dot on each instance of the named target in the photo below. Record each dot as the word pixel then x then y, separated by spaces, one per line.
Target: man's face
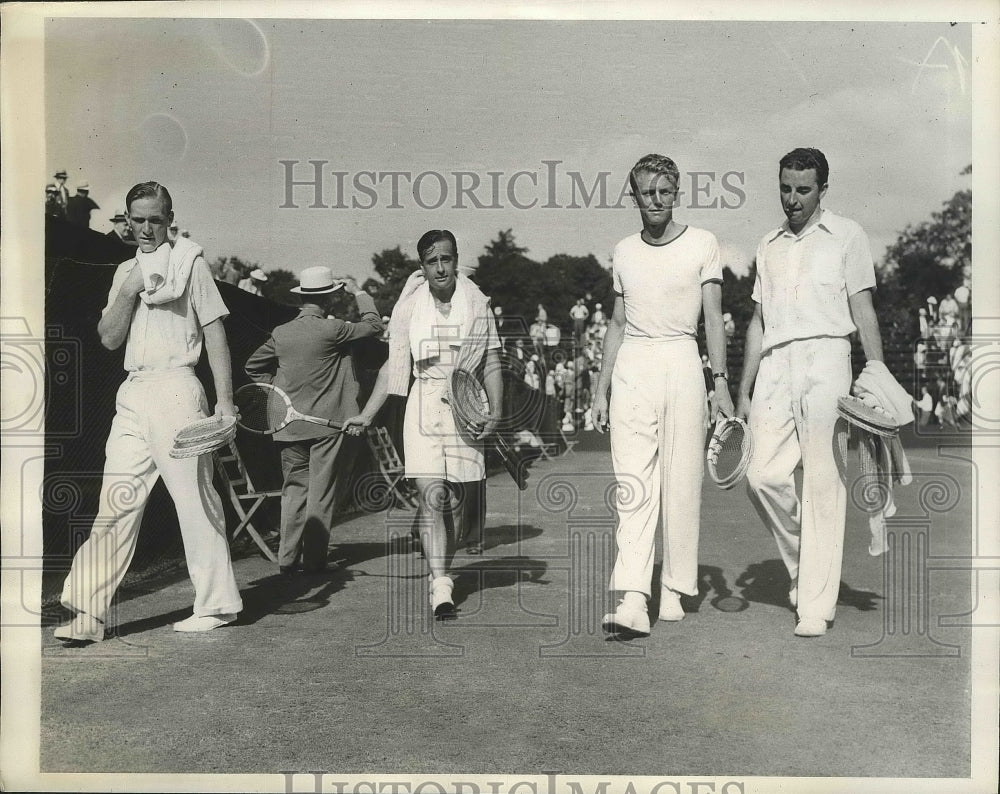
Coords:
pixel 800 196
pixel 440 265
pixel 655 194
pixel 121 227
pixel 150 222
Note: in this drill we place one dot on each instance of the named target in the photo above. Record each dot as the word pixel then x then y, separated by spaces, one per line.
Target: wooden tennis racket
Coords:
pixel 729 452
pixel 470 406
pixel 265 409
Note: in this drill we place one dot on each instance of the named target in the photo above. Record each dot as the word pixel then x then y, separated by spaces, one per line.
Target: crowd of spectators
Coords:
pixel 941 360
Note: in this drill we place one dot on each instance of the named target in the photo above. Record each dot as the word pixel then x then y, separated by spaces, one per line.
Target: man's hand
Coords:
pixel 225 407
pixel 350 284
pixel 133 282
pixel 356 425
pixel 599 411
pixel 721 402
pixel 489 428
pixel 743 407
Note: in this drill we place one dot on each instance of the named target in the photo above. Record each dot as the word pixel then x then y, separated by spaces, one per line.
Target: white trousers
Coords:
pixel 657 417
pixel 151 408
pixel 792 417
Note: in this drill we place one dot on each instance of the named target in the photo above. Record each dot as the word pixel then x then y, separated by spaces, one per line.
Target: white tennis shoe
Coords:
pixel 628 620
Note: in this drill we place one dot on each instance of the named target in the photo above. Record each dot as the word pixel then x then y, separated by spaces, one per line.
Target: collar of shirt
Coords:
pixel 311 311
pixel 822 222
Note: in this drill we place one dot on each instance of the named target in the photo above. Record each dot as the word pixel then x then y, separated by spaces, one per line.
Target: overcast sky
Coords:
pixel 211 107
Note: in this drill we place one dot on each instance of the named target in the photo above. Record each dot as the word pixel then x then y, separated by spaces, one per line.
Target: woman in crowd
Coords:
pixel 441 321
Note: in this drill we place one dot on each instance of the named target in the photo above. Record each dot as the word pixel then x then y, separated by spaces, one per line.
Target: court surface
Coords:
pixel 343 672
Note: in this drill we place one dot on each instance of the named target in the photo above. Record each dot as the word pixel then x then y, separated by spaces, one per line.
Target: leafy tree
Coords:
pixel 393 267
pixel 277 286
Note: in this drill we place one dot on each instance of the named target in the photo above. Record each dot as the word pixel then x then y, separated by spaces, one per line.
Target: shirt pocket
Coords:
pixel 825 262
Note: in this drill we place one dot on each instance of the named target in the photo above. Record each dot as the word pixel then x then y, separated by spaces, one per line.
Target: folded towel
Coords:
pixel 877 388
pixel 165 271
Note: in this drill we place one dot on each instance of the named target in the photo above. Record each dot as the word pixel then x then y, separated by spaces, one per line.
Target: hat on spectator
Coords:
pixel 258 275
pixel 316 281
pixel 83 186
pixel 932 299
pixel 119 217
pixel 923 310
pixel 61 175
pixel 50 188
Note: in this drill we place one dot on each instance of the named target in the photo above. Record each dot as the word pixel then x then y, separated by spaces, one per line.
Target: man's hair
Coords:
pixel 803 160
pixel 149 190
pixel 656 164
pixel 428 239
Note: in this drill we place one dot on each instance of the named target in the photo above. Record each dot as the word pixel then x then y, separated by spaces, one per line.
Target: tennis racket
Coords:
pixel 203 436
pixel 729 452
pixel 865 417
pixel 265 409
pixel 470 406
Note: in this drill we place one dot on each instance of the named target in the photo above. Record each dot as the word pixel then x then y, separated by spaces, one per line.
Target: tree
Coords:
pixel 277 286
pixel 393 267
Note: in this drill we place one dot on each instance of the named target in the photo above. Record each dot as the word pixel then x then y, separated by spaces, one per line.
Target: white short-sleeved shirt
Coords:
pixel 803 281
pixel 661 285
pixel 169 335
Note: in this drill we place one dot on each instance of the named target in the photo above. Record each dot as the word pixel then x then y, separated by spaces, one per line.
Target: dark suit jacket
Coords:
pixel 310 359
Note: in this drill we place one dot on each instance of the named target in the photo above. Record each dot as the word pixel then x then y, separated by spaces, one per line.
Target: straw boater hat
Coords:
pixel 119 218
pixel 258 275
pixel 317 280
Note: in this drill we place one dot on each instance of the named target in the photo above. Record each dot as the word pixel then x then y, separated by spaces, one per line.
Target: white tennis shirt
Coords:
pixel 803 281
pixel 661 285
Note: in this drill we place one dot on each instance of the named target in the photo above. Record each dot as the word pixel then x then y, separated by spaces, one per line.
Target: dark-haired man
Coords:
pixel 163 305
pixel 813 289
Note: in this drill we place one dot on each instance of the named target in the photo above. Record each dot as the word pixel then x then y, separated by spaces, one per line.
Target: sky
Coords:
pixel 211 108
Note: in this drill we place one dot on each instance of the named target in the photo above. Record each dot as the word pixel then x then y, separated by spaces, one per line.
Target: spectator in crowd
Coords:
pixel 230 273
pixel 80 206
pixel 121 230
pixel 963 298
pixel 925 328
pixel 948 310
pixel 920 360
pixel 173 232
pixel 932 310
pixel 925 406
pixel 598 318
pixel 542 316
pixel 309 358
pixel 579 314
pixel 728 325
pixel 531 376
pixel 537 332
pixel 53 207
pixel 62 190
pixel 253 281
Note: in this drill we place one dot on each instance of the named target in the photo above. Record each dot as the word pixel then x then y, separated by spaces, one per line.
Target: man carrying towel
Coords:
pixel 163 305
pixel 309 358
pixel 814 285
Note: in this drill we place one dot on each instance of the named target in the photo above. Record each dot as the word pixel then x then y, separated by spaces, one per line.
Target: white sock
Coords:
pixel 634 600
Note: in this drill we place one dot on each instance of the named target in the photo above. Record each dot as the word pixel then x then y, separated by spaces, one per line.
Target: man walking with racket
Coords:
pixel 663 278
pixel 309 358
pixel 163 305
pixel 813 289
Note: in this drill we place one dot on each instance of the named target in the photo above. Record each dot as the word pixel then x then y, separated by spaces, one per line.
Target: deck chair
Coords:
pixel 244 497
pixel 568 440
pixel 390 465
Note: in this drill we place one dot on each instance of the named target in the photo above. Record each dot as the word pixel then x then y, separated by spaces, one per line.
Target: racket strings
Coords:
pixel 729 453
pixel 261 409
pixel 468 398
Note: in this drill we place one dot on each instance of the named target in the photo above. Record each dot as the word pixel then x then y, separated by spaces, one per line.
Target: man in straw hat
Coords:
pixel 252 282
pixel 80 206
pixel 163 305
pixel 121 231
pixel 309 358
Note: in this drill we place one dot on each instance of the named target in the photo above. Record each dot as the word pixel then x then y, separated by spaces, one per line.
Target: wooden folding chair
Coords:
pixel 569 442
pixel 230 466
pixel 390 465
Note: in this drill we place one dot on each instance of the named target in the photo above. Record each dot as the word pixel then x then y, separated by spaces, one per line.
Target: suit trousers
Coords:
pixel 657 416
pixel 793 418
pixel 151 408
pixel 317 480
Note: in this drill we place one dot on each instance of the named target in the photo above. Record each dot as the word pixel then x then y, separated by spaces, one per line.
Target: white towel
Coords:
pixel 165 271
pixel 877 388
